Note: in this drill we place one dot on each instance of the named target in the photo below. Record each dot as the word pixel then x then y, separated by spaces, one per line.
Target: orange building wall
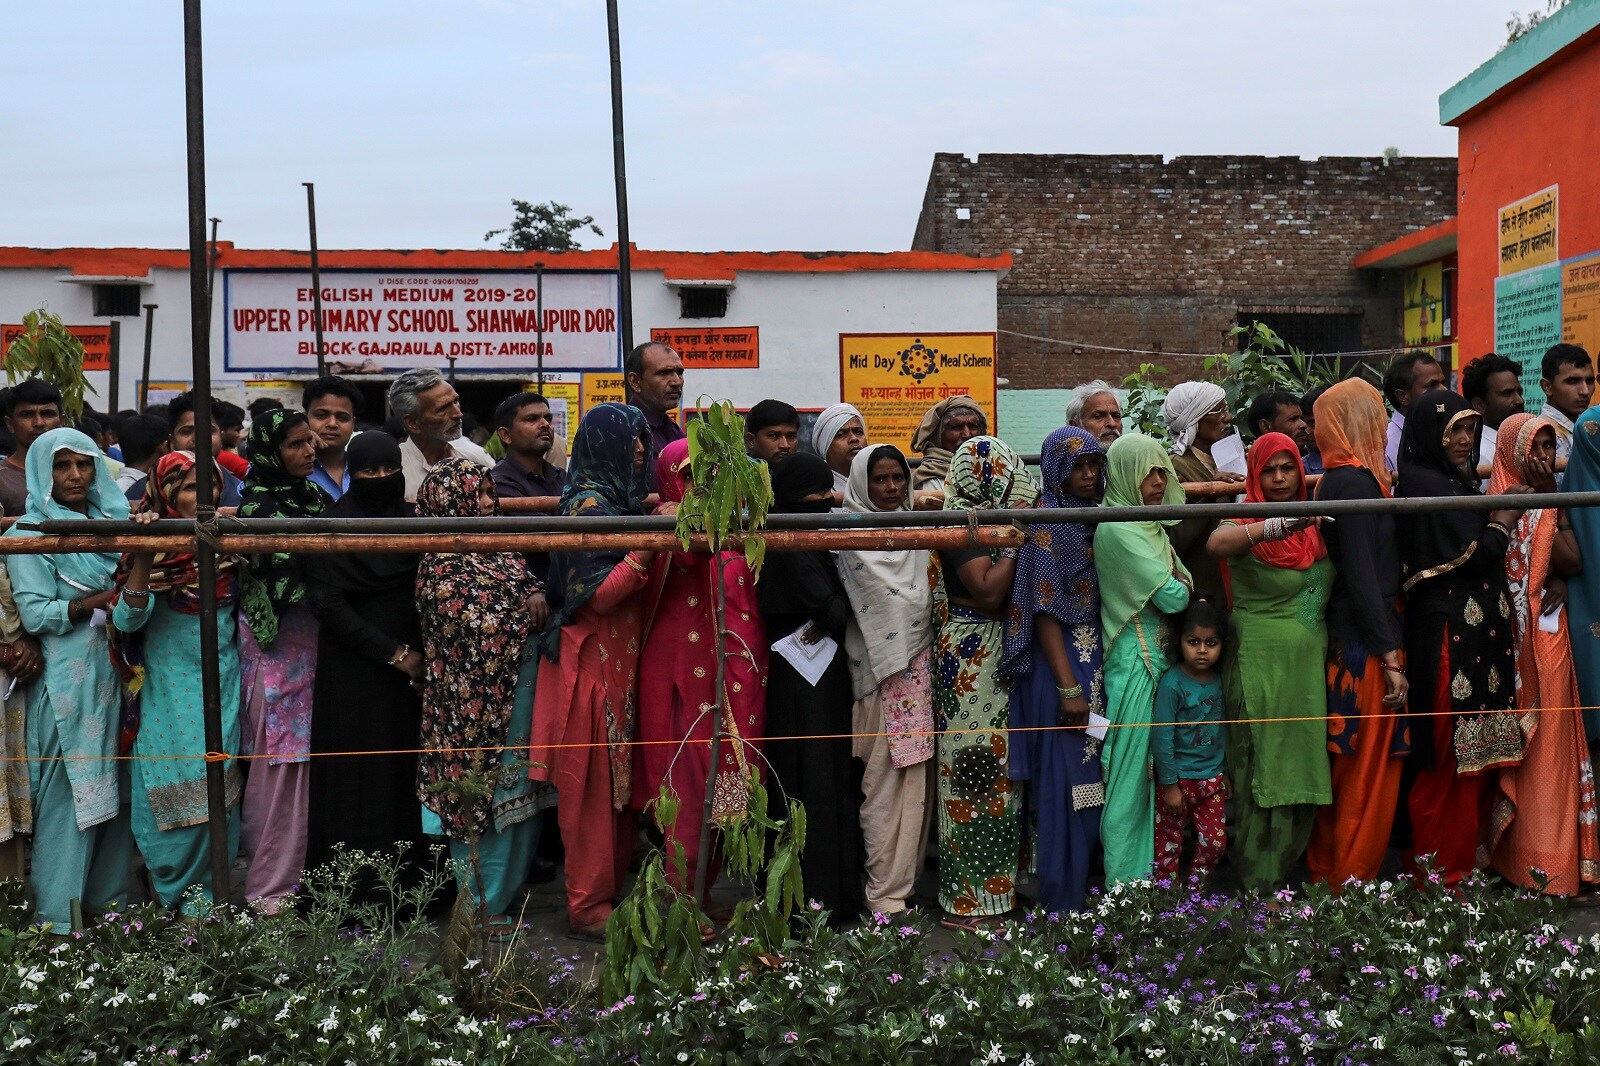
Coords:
pixel 1543 130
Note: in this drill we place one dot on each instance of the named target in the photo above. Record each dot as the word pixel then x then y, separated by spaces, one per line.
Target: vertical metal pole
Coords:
pixel 115 367
pixel 316 277
pixel 538 319
pixel 205 490
pixel 211 271
pixel 619 166
pixel 144 380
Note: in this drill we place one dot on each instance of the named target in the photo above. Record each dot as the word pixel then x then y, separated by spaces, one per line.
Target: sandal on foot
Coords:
pixel 970 923
pixel 595 934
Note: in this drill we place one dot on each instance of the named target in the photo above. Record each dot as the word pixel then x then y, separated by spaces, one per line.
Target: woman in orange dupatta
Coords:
pixel 1544 816
pixel 1367 685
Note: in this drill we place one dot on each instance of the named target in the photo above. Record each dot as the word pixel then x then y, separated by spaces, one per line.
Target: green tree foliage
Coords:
pixel 47 349
pixel 548 227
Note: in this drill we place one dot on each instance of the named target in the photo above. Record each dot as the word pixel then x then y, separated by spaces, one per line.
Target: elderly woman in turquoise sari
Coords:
pixel 1583 588
pixel 81 843
pixel 1140 580
pixel 979 830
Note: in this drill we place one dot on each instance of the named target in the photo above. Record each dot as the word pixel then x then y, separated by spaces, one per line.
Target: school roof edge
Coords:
pixel 698 266
pixel 1564 28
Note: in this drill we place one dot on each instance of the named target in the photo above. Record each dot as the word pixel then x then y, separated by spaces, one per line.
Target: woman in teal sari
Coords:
pixel 156 633
pixel 1140 580
pixel 1583 588
pixel 81 843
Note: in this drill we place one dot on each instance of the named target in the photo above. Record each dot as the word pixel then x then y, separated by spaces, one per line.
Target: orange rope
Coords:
pixel 215 756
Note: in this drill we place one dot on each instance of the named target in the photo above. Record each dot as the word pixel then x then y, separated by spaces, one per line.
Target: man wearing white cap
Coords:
pixel 1197 416
pixel 837 435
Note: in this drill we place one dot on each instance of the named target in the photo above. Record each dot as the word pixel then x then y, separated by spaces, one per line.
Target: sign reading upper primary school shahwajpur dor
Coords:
pixel 893 378
pixel 486 321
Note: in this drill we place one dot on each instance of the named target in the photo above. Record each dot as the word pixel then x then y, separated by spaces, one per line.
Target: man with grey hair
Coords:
pixel 1094 407
pixel 427 405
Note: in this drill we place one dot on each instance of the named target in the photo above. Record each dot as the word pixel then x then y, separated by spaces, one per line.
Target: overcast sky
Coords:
pixel 750 125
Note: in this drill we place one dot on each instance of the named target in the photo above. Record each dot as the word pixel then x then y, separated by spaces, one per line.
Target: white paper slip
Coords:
pixel 809 660
pixel 1098 724
pixel 1551 623
pixel 1228 454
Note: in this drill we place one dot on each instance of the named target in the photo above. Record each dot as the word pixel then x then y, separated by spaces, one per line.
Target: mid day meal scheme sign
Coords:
pixel 893 378
pixel 398 320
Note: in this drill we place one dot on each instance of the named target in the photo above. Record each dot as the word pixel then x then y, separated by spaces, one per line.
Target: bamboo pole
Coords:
pixel 335 543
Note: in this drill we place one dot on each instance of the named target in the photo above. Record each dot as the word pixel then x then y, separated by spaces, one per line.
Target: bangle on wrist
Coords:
pixel 1393 669
pixel 399 655
pixel 1248 535
pixel 634 563
pixel 1075 692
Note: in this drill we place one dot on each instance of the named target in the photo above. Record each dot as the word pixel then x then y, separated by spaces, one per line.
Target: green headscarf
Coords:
pixel 273 583
pixel 1133 559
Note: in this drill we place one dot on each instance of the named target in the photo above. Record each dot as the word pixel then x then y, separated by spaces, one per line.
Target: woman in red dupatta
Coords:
pixel 678 674
pixel 1542 828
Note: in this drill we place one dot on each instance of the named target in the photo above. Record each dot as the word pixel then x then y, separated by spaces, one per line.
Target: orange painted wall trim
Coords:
pixel 1400 245
pixel 677 266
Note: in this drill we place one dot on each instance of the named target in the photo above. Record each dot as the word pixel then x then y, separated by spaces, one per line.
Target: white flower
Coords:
pixel 415 1017
pixel 199 998
pixel 683 1056
pixel 117 1000
pixel 375 1033
pixel 996 1054
pixel 20 1042
pixel 230 1021
pixel 936 1021
pixel 331 1022
pixel 1025 1000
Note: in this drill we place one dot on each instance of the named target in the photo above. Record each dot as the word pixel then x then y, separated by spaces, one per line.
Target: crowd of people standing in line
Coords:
pixel 1079 700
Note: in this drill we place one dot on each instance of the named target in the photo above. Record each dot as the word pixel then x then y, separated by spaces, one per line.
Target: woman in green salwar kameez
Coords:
pixel 1140 580
pixel 1278 578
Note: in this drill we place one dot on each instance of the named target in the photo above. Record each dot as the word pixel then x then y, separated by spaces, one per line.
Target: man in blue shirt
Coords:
pixel 524 426
pixel 331 405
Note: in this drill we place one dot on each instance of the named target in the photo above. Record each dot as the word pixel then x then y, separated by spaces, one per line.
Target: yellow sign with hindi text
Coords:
pixel 893 378
pixel 1529 231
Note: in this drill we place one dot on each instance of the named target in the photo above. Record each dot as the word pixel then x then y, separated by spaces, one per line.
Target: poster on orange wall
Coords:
pixel 1529 231
pixel 1527 321
pixel 1580 303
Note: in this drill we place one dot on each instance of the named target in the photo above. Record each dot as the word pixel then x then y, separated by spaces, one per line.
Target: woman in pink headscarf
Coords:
pixel 677 690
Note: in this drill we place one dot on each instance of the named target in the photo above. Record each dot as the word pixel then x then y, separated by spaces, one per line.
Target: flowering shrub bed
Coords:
pixel 1386 973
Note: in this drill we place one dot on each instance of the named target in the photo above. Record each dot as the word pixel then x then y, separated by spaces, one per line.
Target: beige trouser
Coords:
pixel 893 813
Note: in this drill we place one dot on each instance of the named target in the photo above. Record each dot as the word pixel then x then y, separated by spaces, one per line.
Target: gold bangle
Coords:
pixel 635 564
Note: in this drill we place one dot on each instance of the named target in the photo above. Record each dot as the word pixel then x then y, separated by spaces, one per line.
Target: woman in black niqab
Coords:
pixel 367 648
pixel 801 591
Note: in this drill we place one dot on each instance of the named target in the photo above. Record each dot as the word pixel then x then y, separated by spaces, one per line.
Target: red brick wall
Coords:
pixel 1137 252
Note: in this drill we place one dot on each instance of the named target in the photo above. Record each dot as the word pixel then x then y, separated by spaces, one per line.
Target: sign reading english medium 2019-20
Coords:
pixel 398 319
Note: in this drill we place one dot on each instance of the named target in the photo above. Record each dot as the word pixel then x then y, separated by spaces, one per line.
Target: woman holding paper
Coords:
pixel 1543 818
pixel 678 700
pixel 801 597
pixel 1277 576
pixel 888 644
